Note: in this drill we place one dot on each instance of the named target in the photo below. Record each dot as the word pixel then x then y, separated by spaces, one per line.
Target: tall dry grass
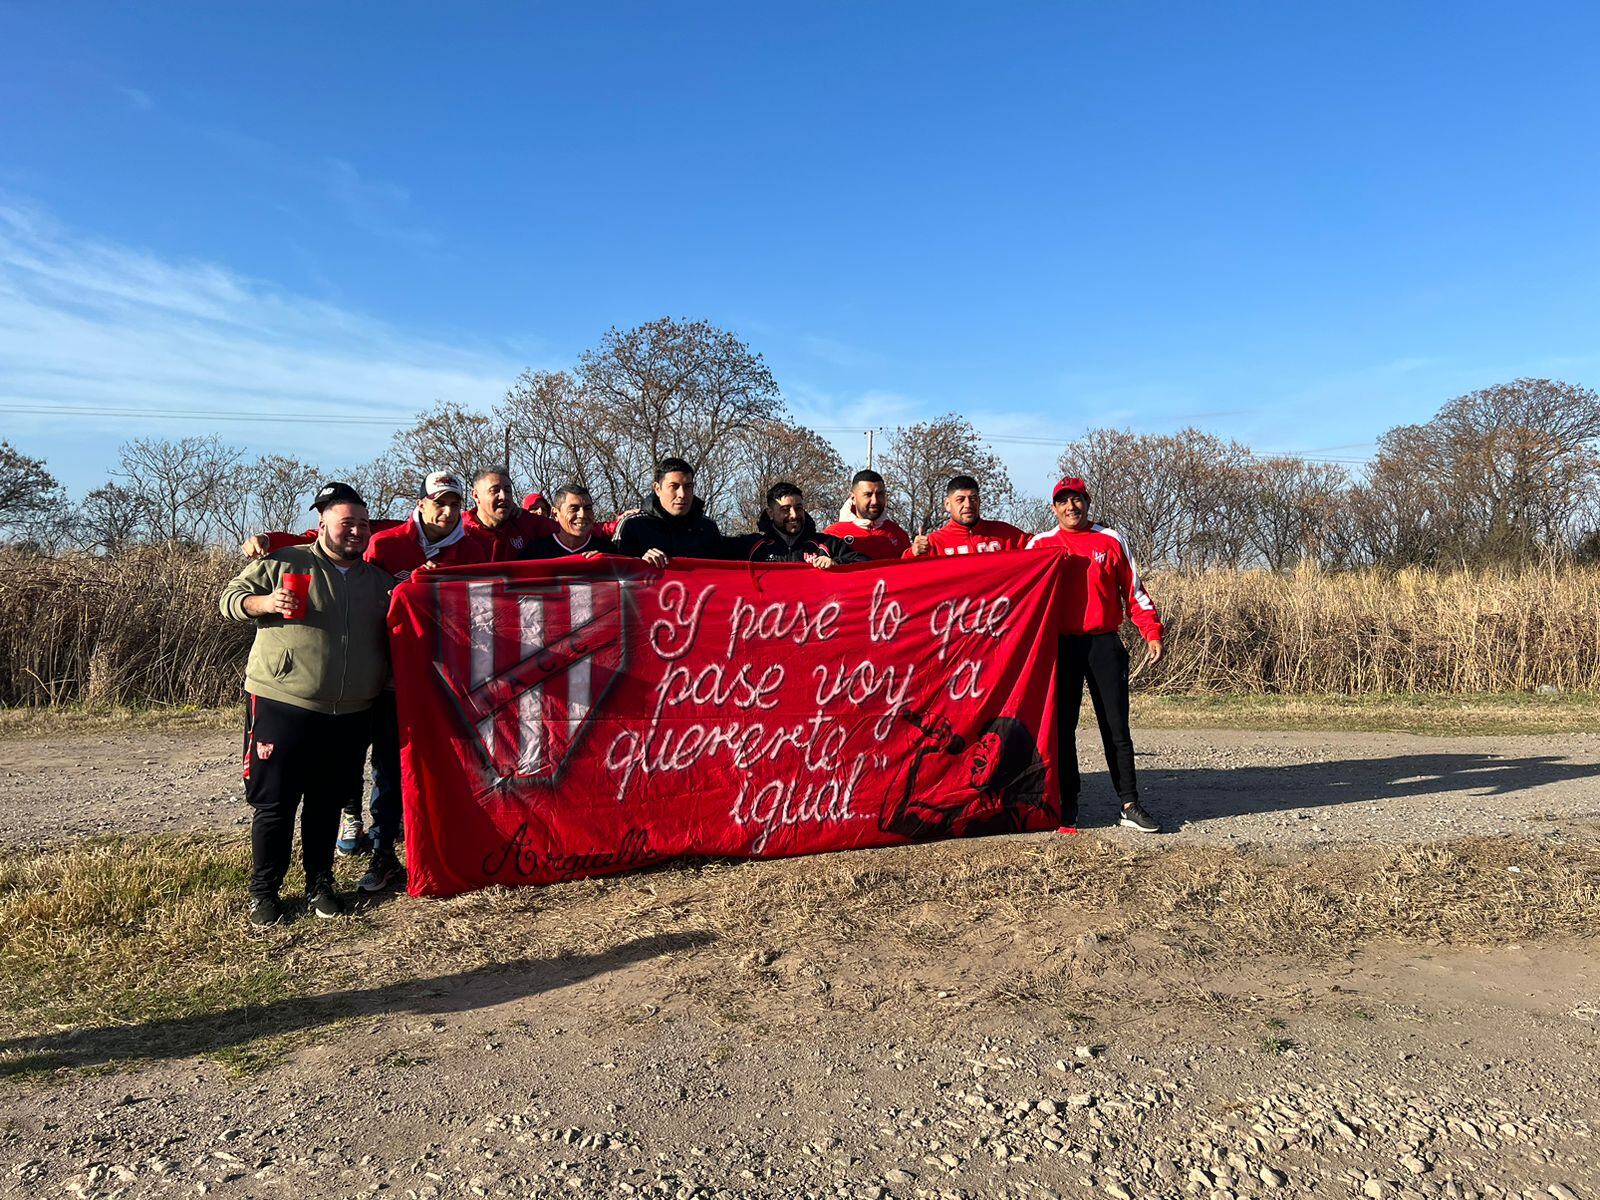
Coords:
pixel 143 628
pixel 1312 632
pixel 139 628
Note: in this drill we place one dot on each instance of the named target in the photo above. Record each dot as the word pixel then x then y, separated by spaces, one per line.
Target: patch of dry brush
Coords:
pixel 140 628
pixel 143 629
pixel 1311 632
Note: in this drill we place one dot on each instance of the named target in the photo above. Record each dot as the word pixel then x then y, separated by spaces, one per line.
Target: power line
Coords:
pixel 187 414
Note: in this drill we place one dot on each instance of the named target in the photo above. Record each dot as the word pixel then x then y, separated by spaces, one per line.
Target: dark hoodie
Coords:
pixel 768 545
pixel 693 535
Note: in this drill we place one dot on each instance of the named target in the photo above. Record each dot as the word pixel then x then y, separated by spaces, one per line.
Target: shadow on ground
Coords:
pixel 1182 797
pixel 481 987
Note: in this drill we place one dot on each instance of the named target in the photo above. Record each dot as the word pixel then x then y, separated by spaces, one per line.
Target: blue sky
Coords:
pixel 1297 225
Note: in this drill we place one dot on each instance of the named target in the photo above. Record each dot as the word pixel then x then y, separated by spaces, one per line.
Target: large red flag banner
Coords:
pixel 584 716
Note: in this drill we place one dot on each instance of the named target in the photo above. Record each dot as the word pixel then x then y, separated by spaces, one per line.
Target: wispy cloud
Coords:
pixel 374 205
pixel 89 322
pixel 379 207
pixel 836 353
pixel 138 98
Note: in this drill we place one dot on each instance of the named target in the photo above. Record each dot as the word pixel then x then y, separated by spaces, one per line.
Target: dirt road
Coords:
pixel 1212 785
pixel 890 1064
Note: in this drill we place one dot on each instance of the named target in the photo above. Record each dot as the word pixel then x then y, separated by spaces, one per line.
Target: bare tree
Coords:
pixel 775 451
pixel 561 434
pixel 919 460
pixel 111 519
pixel 1180 498
pixel 1501 473
pixel 683 388
pixel 1292 513
pixel 273 492
pixel 666 388
pixel 1520 458
pixel 447 437
pixel 180 482
pixel 30 498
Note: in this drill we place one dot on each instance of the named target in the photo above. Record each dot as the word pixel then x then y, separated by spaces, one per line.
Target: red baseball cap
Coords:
pixel 531 499
pixel 1071 483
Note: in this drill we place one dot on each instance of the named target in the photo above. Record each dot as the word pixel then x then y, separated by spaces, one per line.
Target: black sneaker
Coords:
pixel 384 873
pixel 1135 817
pixel 323 902
pixel 264 910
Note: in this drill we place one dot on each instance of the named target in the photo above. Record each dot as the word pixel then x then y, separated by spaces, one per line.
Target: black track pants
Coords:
pixel 1102 661
pixel 296 758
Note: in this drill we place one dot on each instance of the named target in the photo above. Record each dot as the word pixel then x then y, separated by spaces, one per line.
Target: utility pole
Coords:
pixel 869 449
pixel 507 459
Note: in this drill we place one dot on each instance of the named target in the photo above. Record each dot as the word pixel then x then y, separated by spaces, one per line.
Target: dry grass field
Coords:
pixel 143 629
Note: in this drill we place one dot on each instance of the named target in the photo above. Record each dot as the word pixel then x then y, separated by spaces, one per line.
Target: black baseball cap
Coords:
pixel 336 493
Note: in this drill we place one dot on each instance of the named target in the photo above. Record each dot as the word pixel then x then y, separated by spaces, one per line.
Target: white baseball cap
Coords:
pixel 442 483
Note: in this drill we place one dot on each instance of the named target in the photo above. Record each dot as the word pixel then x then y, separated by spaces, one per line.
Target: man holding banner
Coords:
pixel 786 533
pixel 576 531
pixel 504 528
pixel 967 532
pixel 1101 590
pixel 675 525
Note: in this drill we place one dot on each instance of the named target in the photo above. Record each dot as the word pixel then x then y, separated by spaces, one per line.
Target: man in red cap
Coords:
pixel 1101 590
pixel 967 532
pixel 535 503
pixel 505 529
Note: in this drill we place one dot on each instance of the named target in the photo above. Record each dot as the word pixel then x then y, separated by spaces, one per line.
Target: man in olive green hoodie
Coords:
pixel 310 683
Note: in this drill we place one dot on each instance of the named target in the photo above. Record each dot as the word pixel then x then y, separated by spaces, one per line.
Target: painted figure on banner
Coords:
pixel 996 781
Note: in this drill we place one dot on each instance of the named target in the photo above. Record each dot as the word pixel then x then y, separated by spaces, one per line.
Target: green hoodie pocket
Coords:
pixel 284 665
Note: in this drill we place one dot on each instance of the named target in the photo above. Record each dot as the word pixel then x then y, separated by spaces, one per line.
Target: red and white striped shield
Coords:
pixel 535 665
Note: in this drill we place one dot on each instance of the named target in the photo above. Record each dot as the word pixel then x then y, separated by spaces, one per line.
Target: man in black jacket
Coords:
pixel 675 525
pixel 786 533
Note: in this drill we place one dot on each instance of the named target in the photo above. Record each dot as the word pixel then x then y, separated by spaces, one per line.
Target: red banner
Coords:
pixel 579 717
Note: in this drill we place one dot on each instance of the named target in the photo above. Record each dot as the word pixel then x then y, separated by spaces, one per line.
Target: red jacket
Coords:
pixel 881 542
pixel 277 539
pixel 1102 583
pixel 399 551
pixel 510 539
pixel 983 537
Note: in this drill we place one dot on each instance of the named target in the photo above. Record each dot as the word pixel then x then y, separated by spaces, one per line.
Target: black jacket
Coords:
pixel 548 547
pixel 767 545
pixel 693 535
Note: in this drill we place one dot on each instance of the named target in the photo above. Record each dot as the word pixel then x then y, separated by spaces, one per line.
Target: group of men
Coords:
pixel 318 686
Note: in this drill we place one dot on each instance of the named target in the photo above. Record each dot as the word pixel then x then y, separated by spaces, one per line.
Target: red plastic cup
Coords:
pixel 298 586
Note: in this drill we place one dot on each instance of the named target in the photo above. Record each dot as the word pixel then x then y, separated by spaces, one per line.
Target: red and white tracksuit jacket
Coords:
pixel 1102 583
pixel 982 537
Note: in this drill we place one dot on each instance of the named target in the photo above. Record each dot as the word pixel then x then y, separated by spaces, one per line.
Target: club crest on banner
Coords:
pixel 531 666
